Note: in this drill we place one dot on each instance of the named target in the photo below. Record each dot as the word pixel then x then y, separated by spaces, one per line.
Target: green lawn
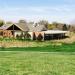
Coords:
pixel 45 60
pixel 37 63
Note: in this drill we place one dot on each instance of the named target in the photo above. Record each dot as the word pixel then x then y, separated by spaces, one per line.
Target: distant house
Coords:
pixel 50 34
pixel 13 30
pixel 47 34
pixel 16 29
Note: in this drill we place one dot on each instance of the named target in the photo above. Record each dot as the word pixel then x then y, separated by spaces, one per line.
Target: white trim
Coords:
pixel 55 32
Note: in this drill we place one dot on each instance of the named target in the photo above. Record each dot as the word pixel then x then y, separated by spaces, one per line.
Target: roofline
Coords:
pixel 56 32
pixel 15 25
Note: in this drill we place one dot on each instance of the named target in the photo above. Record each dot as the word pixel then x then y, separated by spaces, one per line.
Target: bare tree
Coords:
pixel 43 22
pixel 9 22
pixel 65 27
pixel 22 21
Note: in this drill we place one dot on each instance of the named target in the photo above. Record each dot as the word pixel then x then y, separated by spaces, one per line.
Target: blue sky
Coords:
pixel 35 10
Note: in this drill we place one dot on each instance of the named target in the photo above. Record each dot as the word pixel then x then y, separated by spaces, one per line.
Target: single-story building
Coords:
pixel 13 30
pixel 47 34
pixel 50 34
pixel 20 28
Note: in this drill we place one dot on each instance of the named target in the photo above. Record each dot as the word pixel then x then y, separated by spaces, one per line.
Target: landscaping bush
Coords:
pixel 22 36
pixel 27 35
pixel 40 37
pixel 34 36
pixel 17 36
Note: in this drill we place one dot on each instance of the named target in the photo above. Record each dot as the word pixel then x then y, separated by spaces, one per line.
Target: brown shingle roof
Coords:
pixel 33 28
pixel 26 27
pixel 4 27
pixel 22 26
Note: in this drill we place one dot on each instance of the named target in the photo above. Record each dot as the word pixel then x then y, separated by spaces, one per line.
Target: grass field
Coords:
pixel 41 60
pixel 37 63
pixel 45 48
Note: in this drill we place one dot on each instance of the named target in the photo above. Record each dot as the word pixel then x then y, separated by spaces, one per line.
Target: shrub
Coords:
pixel 21 36
pixel 40 37
pixel 34 36
pixel 17 36
pixel 27 35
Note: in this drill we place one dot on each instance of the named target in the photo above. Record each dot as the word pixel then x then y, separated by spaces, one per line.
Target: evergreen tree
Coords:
pixel 40 37
pixel 64 27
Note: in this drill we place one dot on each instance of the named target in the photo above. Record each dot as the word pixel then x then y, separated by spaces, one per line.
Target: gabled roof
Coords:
pixel 16 27
pixel 4 27
pixel 26 27
pixel 21 26
pixel 34 28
